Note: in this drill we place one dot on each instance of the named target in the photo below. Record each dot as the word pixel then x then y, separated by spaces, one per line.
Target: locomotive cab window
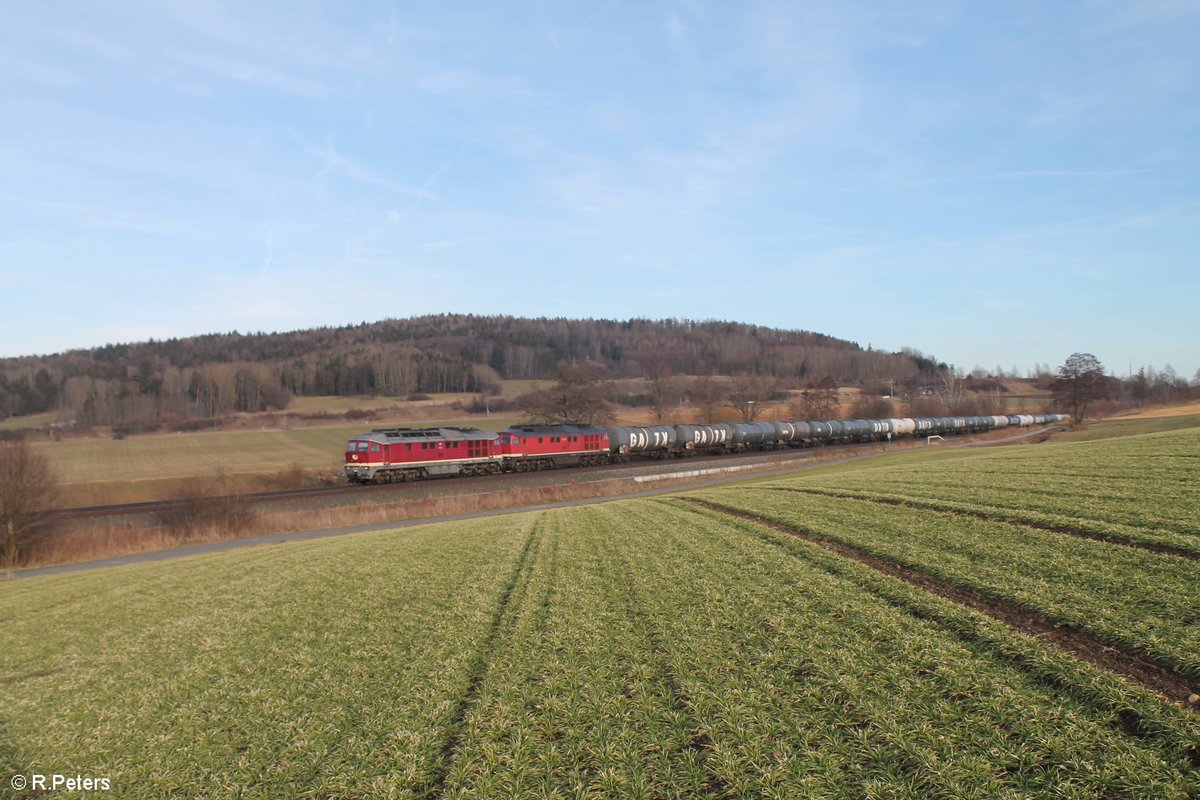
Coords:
pixel 374 448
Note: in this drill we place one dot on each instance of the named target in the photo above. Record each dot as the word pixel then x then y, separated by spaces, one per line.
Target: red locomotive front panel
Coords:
pixel 364 452
pixel 509 444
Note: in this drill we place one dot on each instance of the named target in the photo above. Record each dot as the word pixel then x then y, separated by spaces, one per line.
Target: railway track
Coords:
pixel 151 506
pixel 392 490
pixel 366 490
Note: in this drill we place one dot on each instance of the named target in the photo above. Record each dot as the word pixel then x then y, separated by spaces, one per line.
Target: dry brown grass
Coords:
pixel 1163 411
pixel 109 540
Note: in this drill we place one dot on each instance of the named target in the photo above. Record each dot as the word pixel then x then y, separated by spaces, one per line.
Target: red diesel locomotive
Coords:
pixel 526 447
pixel 405 454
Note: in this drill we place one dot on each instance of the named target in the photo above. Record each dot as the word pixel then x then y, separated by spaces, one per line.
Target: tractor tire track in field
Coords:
pixel 1173 685
pixel 700 743
pixel 455 729
pixel 1069 530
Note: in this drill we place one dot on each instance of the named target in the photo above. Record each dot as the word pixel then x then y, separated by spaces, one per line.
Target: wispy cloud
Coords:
pixel 94 217
pixel 676 31
pixel 36 71
pixel 269 232
pixel 99 46
pixel 335 162
pixel 1056 108
pixel 1119 17
pixel 257 74
pixel 601 12
pixel 394 216
pixel 462 81
pixel 1065 173
pixel 438 173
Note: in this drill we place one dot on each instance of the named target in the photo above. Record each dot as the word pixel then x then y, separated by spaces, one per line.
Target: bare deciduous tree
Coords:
pixel 819 401
pixel 27 490
pixel 952 388
pixel 872 406
pixel 664 395
pixel 579 395
pixel 707 395
pixel 750 395
pixel 1080 381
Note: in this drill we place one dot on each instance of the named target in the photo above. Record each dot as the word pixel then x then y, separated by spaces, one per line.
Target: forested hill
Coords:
pixel 205 376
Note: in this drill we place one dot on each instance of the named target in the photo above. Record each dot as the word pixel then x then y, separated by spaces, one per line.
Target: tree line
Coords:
pixel 212 375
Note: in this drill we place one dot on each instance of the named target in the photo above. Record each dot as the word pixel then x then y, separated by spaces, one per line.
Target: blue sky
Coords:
pixel 991 183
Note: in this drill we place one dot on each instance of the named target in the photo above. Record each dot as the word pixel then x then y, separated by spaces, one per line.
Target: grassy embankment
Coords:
pixel 1120 426
pixel 848 634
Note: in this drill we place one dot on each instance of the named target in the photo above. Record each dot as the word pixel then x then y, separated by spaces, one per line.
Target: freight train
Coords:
pixel 403 454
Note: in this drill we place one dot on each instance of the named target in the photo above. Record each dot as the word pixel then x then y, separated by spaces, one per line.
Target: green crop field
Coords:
pixel 839 634
pixel 27 421
pixel 1109 428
